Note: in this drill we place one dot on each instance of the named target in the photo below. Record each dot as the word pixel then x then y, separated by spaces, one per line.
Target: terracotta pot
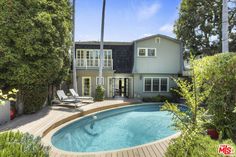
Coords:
pixel 12 113
pixel 213 133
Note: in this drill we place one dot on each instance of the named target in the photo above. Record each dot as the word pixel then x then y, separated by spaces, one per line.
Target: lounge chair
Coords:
pixel 65 99
pixel 86 99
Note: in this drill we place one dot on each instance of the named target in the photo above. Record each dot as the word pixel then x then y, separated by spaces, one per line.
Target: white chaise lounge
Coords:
pixel 65 99
pixel 86 99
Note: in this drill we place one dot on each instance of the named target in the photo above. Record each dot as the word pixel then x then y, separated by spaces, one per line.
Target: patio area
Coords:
pixel 41 123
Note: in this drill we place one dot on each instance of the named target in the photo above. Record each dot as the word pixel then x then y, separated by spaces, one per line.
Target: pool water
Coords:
pixel 115 129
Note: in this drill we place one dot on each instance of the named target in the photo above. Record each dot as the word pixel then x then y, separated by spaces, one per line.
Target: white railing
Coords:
pixel 93 63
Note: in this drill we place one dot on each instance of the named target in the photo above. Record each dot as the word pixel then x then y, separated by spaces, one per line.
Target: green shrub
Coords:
pixel 34 98
pixel 16 144
pixel 219 73
pixel 158 98
pixel 100 91
pixel 195 146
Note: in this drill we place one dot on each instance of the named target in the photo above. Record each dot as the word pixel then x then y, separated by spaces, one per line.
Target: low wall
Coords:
pixel 5 112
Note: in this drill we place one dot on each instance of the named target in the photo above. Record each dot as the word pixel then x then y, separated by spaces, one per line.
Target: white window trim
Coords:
pixel 168 85
pixel 146 51
pixel 103 81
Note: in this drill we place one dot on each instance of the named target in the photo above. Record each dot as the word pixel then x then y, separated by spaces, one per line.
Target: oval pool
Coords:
pixel 115 129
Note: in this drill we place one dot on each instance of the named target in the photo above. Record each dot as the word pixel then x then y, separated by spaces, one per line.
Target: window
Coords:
pixel 151 52
pixel 156 84
pixel 93 54
pixel 141 52
pixel 158 40
pixel 147 52
pixel 148 85
pixel 97 80
pixel 164 84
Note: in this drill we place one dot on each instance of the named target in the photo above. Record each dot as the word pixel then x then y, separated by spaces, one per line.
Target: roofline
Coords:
pixel 128 43
pixel 159 35
pixel 105 43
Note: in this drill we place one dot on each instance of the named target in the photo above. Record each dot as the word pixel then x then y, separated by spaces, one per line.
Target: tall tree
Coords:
pixel 225 27
pixel 199 26
pixel 73 51
pixel 34 43
pixel 101 43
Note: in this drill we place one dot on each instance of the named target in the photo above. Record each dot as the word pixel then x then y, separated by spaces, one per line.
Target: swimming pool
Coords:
pixel 115 129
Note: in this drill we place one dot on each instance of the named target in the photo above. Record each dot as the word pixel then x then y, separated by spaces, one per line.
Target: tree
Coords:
pixel 199 26
pixel 191 122
pixel 34 43
pixel 100 89
pixel 219 73
pixel 101 43
pixel 225 35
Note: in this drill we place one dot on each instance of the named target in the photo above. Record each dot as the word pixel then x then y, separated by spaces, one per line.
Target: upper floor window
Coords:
pixel 157 40
pixel 93 54
pixel 146 52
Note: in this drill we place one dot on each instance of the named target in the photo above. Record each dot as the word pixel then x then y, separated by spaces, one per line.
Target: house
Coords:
pixel 144 67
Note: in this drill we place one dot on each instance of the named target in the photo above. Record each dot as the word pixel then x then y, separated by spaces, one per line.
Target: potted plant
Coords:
pixel 99 93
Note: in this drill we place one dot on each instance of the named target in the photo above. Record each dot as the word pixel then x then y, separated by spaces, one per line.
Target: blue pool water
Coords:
pixel 115 129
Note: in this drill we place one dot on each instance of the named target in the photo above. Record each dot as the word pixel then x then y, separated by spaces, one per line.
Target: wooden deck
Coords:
pixel 155 149
pixel 41 123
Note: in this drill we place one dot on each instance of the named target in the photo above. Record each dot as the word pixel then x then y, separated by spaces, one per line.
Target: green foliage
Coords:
pixel 34 98
pixel 175 96
pixel 34 43
pixel 158 98
pixel 198 31
pixel 194 93
pixel 9 96
pixel 16 144
pixel 195 145
pixel 100 91
pixel 219 73
pixel 213 83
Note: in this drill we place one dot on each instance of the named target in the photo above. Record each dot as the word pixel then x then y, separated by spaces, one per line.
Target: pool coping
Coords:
pixel 47 135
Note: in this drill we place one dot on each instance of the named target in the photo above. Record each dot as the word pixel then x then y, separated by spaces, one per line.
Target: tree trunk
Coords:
pixel 101 43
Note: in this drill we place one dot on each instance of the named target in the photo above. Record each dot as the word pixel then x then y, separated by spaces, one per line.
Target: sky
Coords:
pixel 125 20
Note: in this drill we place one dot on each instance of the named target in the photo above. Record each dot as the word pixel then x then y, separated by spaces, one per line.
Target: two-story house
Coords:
pixel 144 67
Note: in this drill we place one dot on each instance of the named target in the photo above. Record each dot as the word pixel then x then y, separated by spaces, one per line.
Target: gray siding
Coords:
pixel 167 61
pixel 138 85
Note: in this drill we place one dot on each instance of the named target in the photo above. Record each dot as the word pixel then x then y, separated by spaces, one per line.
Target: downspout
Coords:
pixel 182 68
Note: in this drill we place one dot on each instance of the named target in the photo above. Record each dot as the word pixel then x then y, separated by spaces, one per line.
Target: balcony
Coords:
pixel 94 63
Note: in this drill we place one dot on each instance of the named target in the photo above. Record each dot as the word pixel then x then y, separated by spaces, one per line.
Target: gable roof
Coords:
pixel 105 43
pixel 159 35
pixel 128 43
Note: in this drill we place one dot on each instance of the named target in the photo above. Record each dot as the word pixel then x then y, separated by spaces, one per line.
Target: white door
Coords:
pixel 86 86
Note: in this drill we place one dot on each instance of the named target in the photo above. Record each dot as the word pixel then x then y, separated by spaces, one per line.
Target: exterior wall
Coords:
pixel 122 55
pixel 167 61
pixel 138 85
pixel 92 74
pixel 5 112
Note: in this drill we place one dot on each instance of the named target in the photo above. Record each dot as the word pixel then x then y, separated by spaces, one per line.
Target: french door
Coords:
pixel 86 86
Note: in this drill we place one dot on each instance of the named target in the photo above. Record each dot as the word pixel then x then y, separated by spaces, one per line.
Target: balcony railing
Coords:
pixel 93 63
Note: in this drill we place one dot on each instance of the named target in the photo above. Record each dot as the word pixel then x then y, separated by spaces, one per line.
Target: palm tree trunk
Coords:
pixel 73 51
pixel 225 27
pixel 101 43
